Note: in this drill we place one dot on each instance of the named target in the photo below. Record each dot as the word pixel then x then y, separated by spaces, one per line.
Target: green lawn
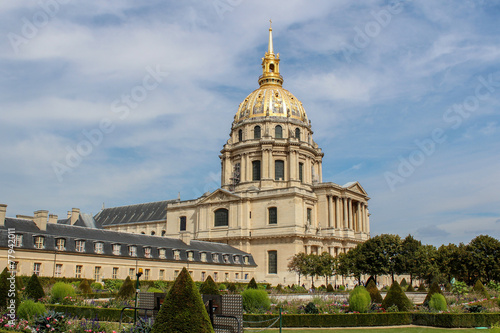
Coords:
pixel 377 330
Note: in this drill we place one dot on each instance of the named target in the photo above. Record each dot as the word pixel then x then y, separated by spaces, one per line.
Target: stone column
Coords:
pixel 330 211
pixel 337 213
pixel 264 171
pixel 349 218
pixel 346 215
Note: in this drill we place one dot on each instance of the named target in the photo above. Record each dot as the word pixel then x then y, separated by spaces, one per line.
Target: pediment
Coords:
pixel 355 187
pixel 219 195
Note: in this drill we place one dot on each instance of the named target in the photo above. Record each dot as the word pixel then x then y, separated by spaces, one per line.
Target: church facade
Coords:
pixel 273 202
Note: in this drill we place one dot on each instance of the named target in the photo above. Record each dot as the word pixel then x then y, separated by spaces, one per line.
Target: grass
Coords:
pixel 376 330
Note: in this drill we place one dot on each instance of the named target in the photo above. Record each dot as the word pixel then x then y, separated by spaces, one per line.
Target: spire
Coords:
pixel 270 48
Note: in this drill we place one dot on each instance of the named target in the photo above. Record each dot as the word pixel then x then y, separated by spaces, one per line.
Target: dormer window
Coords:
pixel 190 255
pixel 203 256
pixel 61 244
pixel 177 254
pixel 246 260
pixel 18 240
pixel 39 242
pixel 80 246
pixel 132 251
pixel 162 253
pixel 147 252
pixel 215 257
pixel 236 259
pixel 99 248
pixel 226 258
pixel 116 249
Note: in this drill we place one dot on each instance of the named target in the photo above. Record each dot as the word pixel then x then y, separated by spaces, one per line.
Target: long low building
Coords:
pixel 71 247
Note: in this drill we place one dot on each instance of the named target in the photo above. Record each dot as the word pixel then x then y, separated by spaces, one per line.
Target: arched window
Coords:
pixel 273 215
pixel 221 217
pixel 163 232
pixel 279 170
pixel 301 171
pixel 271 68
pixel 255 170
pixel 256 132
pixel 297 133
pixel 278 132
pixel 182 222
pixel 272 262
pixel 153 233
pixel 240 135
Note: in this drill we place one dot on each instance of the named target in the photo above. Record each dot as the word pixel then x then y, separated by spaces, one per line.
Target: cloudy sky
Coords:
pixel 123 102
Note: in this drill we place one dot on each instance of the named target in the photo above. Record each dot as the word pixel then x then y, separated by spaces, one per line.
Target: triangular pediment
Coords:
pixel 219 195
pixel 355 187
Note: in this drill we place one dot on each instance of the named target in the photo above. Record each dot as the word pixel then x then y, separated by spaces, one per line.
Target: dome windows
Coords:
pixel 255 170
pixel 256 132
pixel 278 132
pixel 297 133
pixel 240 135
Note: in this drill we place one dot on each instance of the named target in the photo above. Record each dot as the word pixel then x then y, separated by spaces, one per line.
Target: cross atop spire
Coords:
pixel 270 48
pixel 270 64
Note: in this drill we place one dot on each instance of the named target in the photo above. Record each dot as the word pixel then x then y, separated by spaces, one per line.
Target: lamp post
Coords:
pixel 139 273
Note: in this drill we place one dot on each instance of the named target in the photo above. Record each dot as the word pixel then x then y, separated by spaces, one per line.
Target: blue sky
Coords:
pixel 121 102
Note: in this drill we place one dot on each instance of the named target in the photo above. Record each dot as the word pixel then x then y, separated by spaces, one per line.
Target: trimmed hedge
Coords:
pixel 90 312
pixel 448 320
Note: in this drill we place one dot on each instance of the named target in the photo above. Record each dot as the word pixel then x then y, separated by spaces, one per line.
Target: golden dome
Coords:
pixel 271 99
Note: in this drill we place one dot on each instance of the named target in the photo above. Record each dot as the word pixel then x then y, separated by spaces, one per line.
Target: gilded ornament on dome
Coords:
pixel 259 106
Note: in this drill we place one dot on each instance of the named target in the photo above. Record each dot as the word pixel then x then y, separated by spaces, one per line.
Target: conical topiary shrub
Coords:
pixel 84 287
pixel 183 310
pixel 434 288
pixel 410 289
pixel 4 288
pixel 252 284
pixel 127 290
pixel 34 289
pixel 480 289
pixel 374 292
pixel 403 284
pixel 209 287
pixel 396 296
pixel 421 288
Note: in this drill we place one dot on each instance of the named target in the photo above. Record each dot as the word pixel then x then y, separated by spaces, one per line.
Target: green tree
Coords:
pixel 209 287
pixel 433 289
pixel 327 265
pixel 428 268
pixel 4 288
pixel 406 261
pixel 127 290
pixel 298 264
pixel 396 296
pixel 182 310
pixel 351 263
pixel 485 251
pixel 34 289
pixel 380 255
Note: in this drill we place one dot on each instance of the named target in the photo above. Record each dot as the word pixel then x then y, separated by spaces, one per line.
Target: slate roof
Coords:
pixel 146 212
pixel 72 233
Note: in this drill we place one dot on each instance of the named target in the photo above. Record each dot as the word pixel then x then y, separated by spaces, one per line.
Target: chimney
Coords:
pixel 52 218
pixel 75 214
pixel 69 214
pixel 3 210
pixel 41 219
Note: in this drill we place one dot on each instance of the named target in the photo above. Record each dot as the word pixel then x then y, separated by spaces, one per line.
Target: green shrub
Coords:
pixel 403 284
pixel 396 296
pixel 209 287
pixel 341 288
pixel 255 301
pixel 127 290
pixel 4 288
pixel 84 287
pixel 51 322
pixel 154 290
pixel 96 286
pixel 421 288
pixel 359 299
pixel 61 290
pixel 410 289
pixel 460 288
pixel 252 284
pixel 34 289
pixel 438 302
pixel 222 286
pixel 29 308
pixel 112 284
pixel 232 287
pixel 374 292
pixel 480 289
pixel 311 308
pixel 448 287
pixel 183 310
pixel 434 288
pixel 329 288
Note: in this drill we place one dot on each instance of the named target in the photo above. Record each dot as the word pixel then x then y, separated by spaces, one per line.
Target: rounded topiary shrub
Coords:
pixel 311 308
pixel 154 290
pixel 84 287
pixel 433 289
pixel 209 287
pixel 96 286
pixel 396 297
pixel 329 288
pixel 28 309
pixel 438 302
pixel 61 290
pixel 374 292
pixel 183 310
pixel 34 289
pixel 359 299
pixel 255 301
pixel 127 290
pixel 252 284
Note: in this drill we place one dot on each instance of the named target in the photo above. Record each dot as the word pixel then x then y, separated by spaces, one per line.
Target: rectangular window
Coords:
pixel 190 255
pixel 78 271
pixel 301 172
pixel 80 246
pixel 272 262
pixel 182 223
pixel 216 276
pixel 226 258
pixel 273 215
pixel 97 274
pixel 147 252
pixel 221 217
pixel 203 256
pixel 226 276
pixel 39 242
pixel 147 274
pixel 246 276
pixel 58 270
pixel 161 274
pixel 215 257
pixel 117 249
pixel 309 215
pixel 255 170
pixel 236 259
pixel 162 253
pixel 236 276
pixel 203 274
pixel 132 251
pixel 115 273
pixel 176 273
pixel 279 170
pixel 98 248
pixel 246 260
pixel 61 244
pixel 37 267
pixel 177 255
pixel 14 265
pixel 18 241
pixel 131 272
